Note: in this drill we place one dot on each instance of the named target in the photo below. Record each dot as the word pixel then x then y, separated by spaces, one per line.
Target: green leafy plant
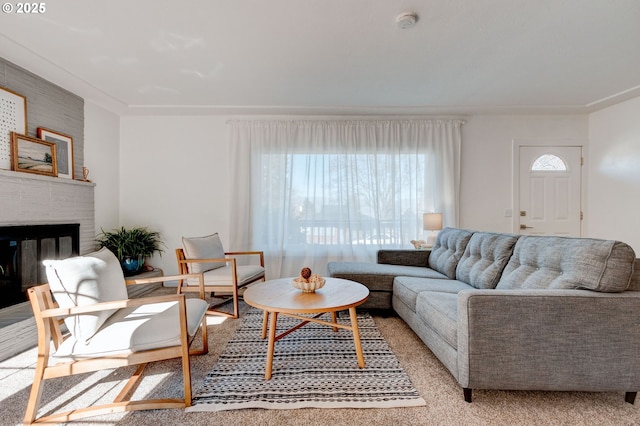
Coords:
pixel 131 243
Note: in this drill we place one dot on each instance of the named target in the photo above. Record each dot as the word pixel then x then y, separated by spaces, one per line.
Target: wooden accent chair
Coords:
pixel 220 269
pixel 107 330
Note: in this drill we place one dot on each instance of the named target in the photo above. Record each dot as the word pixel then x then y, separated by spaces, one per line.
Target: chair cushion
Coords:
pixel 484 259
pixel 135 329
pixel 209 247
pixel 222 276
pixel 85 280
pixel 448 250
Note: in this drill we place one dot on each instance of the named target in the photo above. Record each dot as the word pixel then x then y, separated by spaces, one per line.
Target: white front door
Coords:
pixel 550 190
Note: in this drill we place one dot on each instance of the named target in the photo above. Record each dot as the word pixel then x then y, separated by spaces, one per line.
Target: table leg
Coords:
pixel 271 345
pixel 265 321
pixel 334 318
pixel 356 336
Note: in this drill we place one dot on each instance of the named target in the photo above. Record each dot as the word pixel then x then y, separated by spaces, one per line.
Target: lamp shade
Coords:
pixel 432 221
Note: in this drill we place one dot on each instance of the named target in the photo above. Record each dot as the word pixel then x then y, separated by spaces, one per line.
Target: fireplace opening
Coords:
pixel 22 249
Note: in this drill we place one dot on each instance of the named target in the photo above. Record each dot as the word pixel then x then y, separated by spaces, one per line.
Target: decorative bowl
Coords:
pixel 308 287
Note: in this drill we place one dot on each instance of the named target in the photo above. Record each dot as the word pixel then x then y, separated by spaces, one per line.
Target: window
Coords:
pixel 342 199
pixel 549 162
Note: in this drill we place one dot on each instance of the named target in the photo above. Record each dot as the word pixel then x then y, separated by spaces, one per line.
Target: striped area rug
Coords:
pixel 312 367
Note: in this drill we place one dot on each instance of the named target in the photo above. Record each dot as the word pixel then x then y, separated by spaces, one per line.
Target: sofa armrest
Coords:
pixel 549 340
pixel 404 257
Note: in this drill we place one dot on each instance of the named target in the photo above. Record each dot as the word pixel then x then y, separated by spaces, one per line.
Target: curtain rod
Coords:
pixel 348 121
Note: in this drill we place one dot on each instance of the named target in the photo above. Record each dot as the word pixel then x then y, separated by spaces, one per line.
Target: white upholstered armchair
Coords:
pixel 107 330
pixel 223 272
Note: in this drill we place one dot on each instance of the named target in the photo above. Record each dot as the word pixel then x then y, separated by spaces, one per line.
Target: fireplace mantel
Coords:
pixel 31 176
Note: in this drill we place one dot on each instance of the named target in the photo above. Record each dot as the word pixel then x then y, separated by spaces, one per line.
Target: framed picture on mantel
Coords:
pixel 31 155
pixel 13 118
pixel 64 150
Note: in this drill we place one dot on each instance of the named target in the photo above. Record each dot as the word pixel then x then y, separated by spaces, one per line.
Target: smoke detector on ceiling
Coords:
pixel 406 20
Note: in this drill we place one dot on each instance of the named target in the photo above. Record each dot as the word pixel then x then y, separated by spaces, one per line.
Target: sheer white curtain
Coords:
pixel 310 192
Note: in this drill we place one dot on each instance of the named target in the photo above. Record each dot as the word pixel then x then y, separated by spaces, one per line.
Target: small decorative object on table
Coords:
pixel 419 244
pixel 308 282
pixel 85 174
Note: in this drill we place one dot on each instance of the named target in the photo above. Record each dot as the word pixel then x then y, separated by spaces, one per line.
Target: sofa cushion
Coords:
pixel 440 312
pixel 448 250
pixel 378 276
pixel 408 288
pixel 569 263
pixel 484 259
pixel 86 280
pixel 209 247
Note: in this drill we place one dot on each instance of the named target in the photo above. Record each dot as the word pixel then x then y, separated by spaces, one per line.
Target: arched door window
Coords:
pixel 549 163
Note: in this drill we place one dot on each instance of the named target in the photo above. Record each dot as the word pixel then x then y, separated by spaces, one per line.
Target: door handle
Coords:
pixel 525 227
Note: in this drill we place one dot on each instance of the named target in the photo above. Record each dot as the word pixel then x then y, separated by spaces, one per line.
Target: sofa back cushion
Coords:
pixel 448 250
pixel 569 263
pixel 484 259
pixel 634 285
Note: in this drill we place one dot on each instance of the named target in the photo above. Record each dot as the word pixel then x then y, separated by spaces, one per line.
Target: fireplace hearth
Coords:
pixel 22 249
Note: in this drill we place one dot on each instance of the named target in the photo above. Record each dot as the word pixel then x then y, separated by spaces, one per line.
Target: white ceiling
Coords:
pixel 333 56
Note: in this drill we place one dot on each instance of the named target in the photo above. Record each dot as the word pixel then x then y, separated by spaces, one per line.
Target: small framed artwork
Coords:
pixel 13 118
pixel 64 150
pixel 31 155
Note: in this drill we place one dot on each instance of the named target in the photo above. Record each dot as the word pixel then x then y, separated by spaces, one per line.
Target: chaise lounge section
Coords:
pixel 505 311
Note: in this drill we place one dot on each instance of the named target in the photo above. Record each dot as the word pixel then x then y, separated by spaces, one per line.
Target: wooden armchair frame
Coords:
pixel 48 318
pixel 183 268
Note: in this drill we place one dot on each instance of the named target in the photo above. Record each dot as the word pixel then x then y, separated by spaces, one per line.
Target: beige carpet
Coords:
pixel 445 405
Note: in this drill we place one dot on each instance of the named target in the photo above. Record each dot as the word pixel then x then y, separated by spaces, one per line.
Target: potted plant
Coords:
pixel 131 246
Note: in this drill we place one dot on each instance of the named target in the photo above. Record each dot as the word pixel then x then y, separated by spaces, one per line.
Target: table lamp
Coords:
pixel 432 222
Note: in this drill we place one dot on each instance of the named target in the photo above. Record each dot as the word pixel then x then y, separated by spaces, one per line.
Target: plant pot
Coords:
pixel 132 265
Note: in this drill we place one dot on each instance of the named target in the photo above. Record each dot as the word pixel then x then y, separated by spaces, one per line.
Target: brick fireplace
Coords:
pixel 36 200
pixel 40 217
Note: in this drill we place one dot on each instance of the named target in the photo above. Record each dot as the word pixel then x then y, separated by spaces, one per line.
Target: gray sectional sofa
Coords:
pixel 504 311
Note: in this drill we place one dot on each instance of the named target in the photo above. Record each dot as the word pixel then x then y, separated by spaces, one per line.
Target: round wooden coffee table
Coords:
pixel 279 297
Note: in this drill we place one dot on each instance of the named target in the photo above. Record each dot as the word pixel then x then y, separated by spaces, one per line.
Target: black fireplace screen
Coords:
pixel 22 249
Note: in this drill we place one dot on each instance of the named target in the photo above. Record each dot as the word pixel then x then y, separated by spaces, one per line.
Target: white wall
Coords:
pixel 614 179
pixel 174 179
pixel 175 172
pixel 486 175
pixel 101 156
